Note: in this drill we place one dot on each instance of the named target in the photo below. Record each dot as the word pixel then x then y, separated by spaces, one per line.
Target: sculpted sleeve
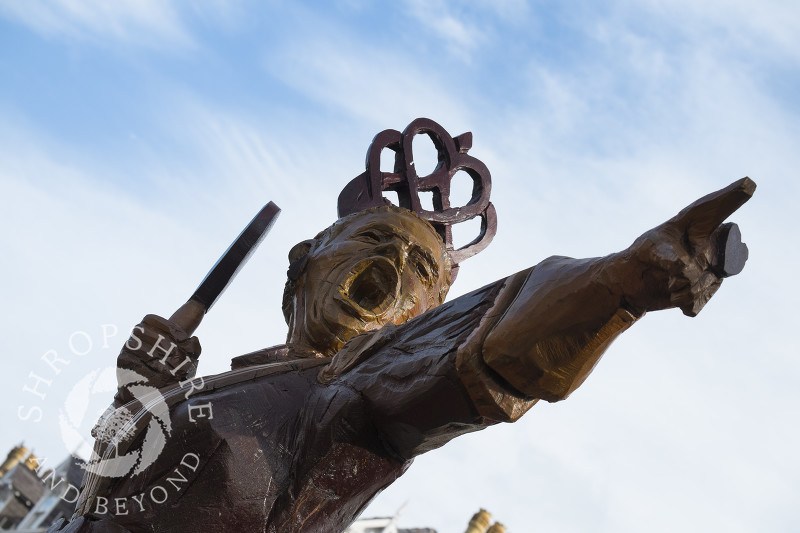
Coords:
pixel 546 331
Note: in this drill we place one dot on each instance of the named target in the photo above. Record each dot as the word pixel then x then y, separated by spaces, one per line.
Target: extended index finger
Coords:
pixel 705 215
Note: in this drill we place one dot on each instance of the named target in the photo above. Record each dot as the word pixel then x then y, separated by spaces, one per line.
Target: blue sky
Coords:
pixel 138 137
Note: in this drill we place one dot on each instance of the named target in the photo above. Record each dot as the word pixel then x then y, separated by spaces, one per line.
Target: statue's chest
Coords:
pixel 335 491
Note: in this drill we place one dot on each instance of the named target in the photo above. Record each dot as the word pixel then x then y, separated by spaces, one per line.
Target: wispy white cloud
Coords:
pixel 510 11
pixel 380 86
pixel 766 28
pixel 442 19
pixel 150 23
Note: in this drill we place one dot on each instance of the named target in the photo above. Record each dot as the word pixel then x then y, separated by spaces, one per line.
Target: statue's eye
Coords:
pixel 423 271
pixel 369 237
pixel 422 264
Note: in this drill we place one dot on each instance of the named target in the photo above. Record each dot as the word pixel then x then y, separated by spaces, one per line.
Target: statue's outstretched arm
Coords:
pixel 568 311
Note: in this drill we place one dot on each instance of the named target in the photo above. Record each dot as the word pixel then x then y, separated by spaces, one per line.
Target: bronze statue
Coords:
pixel 377 369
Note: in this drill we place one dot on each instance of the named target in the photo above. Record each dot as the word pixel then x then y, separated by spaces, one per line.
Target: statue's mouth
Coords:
pixel 372 285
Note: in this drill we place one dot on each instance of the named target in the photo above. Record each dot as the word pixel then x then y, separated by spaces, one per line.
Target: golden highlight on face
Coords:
pixel 381 266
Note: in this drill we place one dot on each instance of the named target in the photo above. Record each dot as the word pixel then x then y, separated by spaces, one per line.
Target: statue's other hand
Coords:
pixel 681 263
pixel 160 351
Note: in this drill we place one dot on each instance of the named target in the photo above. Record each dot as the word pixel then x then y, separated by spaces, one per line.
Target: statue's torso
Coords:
pixel 282 453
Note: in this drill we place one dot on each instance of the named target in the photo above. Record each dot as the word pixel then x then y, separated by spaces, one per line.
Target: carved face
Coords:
pixel 380 266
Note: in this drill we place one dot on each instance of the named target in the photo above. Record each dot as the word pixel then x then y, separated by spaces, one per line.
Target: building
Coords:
pixel 61 490
pixel 20 487
pixel 32 497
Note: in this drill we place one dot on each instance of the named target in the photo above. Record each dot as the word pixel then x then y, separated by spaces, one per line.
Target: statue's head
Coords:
pixel 374 267
pixel 380 263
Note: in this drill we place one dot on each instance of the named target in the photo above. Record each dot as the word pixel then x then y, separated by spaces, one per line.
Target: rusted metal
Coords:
pixel 366 190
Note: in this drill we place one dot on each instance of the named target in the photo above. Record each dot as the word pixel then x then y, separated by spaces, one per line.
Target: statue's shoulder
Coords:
pixel 257 370
pixel 269 361
pixel 275 354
